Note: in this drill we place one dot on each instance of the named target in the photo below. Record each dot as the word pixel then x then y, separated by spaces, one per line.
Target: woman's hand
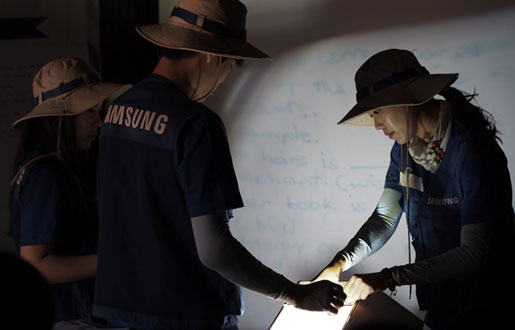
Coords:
pixel 360 286
pixel 332 271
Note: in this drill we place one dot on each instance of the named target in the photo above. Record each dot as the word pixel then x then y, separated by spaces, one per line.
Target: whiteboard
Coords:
pixel 308 184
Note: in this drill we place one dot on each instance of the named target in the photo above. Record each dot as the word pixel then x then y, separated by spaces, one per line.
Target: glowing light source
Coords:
pixel 292 318
pixel 378 310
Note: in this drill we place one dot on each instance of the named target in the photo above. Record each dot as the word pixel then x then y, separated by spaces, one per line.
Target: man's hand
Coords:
pixel 360 286
pixel 319 296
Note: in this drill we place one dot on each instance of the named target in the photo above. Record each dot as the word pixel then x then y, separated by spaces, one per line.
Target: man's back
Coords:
pixel 163 159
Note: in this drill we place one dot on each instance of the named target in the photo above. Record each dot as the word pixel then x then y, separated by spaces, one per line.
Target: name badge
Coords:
pixel 415 181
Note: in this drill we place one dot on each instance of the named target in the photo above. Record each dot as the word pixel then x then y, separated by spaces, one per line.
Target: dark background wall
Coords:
pixel 126 57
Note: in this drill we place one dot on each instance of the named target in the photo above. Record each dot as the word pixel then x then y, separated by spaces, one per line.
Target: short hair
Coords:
pixel 177 54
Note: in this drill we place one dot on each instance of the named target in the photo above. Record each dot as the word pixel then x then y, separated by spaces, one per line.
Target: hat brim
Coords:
pixel 74 103
pixel 408 93
pixel 173 36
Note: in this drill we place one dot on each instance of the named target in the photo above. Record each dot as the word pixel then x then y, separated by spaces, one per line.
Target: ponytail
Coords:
pixel 468 115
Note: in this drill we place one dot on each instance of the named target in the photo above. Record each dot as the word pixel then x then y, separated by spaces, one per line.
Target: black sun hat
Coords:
pixel 393 77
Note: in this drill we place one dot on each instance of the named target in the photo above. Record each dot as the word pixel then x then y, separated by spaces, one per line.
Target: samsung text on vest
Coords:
pixel 136 118
pixel 443 201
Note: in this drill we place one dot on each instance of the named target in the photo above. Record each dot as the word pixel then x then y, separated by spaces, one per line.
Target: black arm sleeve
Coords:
pixel 220 251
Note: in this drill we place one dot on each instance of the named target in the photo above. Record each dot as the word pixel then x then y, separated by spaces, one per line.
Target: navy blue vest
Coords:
pixel 472 185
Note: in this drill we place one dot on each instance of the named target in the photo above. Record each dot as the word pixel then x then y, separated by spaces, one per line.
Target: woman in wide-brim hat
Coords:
pixel 54 220
pixel 449 175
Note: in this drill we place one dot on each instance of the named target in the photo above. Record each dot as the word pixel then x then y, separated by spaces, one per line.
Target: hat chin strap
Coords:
pixel 194 96
pixel 408 199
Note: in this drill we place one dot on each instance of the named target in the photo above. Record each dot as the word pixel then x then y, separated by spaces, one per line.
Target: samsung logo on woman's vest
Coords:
pixel 136 118
pixel 443 201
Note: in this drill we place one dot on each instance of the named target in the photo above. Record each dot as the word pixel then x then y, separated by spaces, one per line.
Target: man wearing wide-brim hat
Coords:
pixel 166 188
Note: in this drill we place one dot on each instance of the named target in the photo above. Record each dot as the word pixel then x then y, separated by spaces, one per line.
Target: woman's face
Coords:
pixel 393 121
pixel 86 127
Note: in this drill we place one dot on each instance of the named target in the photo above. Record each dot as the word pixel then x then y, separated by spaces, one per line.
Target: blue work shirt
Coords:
pixel 163 160
pixel 50 208
pixel 472 185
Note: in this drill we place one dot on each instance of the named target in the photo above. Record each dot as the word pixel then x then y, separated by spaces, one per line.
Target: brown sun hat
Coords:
pixel 208 26
pixel 393 77
pixel 66 87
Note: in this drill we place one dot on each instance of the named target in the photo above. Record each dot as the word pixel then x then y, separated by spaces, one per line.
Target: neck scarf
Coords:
pixel 430 155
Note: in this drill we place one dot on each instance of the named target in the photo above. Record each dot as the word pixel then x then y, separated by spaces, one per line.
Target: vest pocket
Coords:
pixel 441 232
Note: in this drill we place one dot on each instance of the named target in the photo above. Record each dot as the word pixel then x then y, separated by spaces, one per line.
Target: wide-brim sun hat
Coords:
pixel 393 77
pixel 214 27
pixel 66 87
